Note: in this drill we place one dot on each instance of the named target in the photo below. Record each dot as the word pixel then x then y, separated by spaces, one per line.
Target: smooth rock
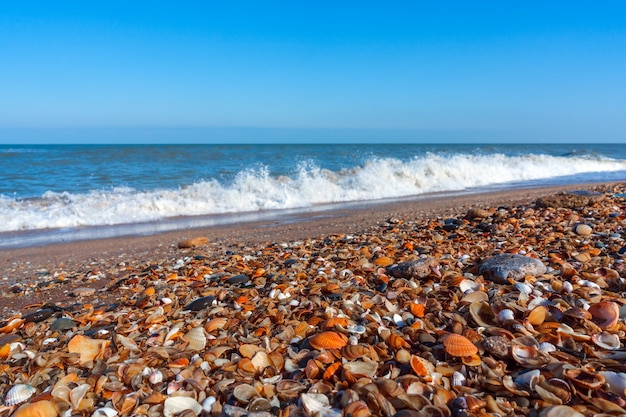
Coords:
pixel 504 266
pixel 570 199
pixel 193 242
pixel 420 268
pixel 200 303
pixel 477 213
pixel 63 323
pixel 84 291
pixel 238 279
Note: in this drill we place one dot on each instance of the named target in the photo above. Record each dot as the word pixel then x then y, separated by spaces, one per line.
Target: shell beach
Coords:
pixel 490 310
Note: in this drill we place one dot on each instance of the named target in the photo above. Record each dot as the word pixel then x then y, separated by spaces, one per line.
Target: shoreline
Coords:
pixel 30 266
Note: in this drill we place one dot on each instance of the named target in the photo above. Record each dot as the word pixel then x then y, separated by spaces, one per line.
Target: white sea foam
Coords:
pixel 256 189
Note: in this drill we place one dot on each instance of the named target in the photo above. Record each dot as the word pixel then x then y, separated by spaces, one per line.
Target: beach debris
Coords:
pixel 419 268
pixel 570 199
pixel 503 267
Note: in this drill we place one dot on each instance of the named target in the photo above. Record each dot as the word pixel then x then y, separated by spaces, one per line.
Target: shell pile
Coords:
pixel 396 321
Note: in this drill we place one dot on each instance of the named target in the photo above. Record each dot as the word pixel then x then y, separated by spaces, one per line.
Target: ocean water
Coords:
pixel 68 189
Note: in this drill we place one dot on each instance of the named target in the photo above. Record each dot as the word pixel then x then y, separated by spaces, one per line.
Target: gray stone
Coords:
pixel 507 266
pixel 420 268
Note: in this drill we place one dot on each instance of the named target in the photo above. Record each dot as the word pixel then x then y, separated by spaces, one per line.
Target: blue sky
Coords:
pixel 133 71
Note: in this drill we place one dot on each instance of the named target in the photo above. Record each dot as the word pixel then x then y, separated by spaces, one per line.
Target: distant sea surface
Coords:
pixel 69 187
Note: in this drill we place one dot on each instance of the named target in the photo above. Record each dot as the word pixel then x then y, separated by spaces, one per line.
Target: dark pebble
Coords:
pixel 381 287
pixel 39 315
pixel 200 303
pixel 622 250
pixel 62 323
pixel 238 279
pixel 289 262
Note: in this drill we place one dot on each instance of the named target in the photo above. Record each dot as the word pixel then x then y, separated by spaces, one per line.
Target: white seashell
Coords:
pixel 315 404
pixel 528 379
pixel 458 379
pixel 127 342
pixel 547 347
pixel 356 329
pixel 77 394
pixel 538 301
pixel 568 287
pixel 195 338
pixel 104 412
pixel 616 381
pixel 175 405
pixel 166 300
pixel 274 293
pixel 294 303
pixel 18 394
pixel 606 340
pixel 467 285
pixel 207 404
pixel 464 257
pixel 398 320
pixel 524 288
pixel 506 315
pixel 156 377
pixel 49 341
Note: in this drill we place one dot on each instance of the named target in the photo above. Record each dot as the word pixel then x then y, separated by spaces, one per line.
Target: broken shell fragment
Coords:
pixel 89 349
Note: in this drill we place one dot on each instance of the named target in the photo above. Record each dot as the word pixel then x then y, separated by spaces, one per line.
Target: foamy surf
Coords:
pixel 256 189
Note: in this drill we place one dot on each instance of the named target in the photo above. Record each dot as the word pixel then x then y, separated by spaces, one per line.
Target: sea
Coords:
pixel 54 193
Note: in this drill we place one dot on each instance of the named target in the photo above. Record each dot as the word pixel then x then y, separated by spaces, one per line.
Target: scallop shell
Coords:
pixel 605 314
pixel 195 338
pixel 18 394
pixel 89 349
pixel 328 340
pixel 457 345
pixel 175 405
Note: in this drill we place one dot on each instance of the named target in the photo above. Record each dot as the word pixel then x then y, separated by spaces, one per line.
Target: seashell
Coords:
pixel 560 411
pixel 365 368
pixel 200 303
pixel 524 288
pixel 77 394
pixel 547 347
pixel 616 382
pixel 402 356
pixel 585 379
pixel 475 297
pixel 155 377
pixel 352 352
pixel 207 404
pixel 605 314
pixel 175 405
pixel 260 405
pixel 245 393
pixel 471 360
pixel 457 345
pixel 315 404
pixel 18 394
pixel 127 342
pixel 467 285
pixel 537 315
pixel 328 340
pixel 421 366
pixel 44 408
pixel 195 338
pixel 606 340
pixel 506 315
pixel 482 314
pixel 396 341
pixel 529 356
pixel 583 229
pixel 357 409
pixel 498 346
pixel 89 349
pixel 513 387
pixel 330 323
pixel 105 412
pixel 528 378
pixel 261 360
pixel 458 379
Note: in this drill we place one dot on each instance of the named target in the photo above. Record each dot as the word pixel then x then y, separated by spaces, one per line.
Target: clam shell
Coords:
pixel 529 356
pixel 616 382
pixel 315 403
pixel 605 314
pixel 245 393
pixel 328 340
pixel 43 408
pixel 606 340
pixel 175 405
pixel 506 315
pixel 585 379
pixel 457 345
pixel 77 394
pixel 352 352
pixel 195 338
pixel 89 349
pixel 482 314
pixel 18 394
pixel 528 378
pixel 365 368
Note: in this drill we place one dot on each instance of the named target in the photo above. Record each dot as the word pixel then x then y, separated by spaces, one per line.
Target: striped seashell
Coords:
pixel 195 338
pixel 457 345
pixel 18 394
pixel 352 352
pixel 330 323
pixel 215 324
pixel 328 340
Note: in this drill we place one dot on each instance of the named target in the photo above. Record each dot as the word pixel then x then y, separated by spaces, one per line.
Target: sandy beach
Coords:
pixel 314 317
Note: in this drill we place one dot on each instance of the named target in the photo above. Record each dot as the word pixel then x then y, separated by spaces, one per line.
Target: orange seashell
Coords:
pixel 334 321
pixel 215 324
pixel 420 366
pixel 352 352
pixel 149 291
pixel 89 349
pixel 331 370
pixel 383 261
pixel 38 409
pixel 458 345
pixel 12 324
pixel 396 341
pixel 605 314
pixel 328 340
pixel 303 329
pixel 472 360
pixel 4 351
pixel 179 363
pixel 417 309
pixel 357 409
pixel 537 315
pixel 331 288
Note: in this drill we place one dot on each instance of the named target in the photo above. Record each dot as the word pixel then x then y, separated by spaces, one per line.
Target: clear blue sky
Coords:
pixel 415 70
